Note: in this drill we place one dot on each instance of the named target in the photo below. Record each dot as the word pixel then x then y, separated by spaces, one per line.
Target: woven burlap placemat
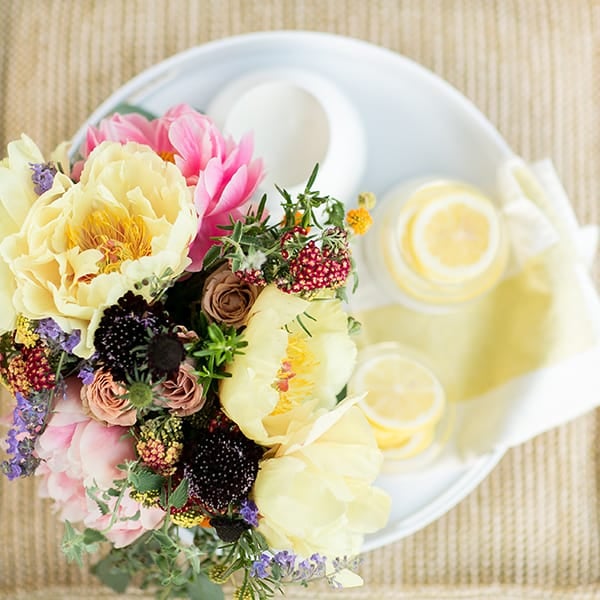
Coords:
pixel 531 529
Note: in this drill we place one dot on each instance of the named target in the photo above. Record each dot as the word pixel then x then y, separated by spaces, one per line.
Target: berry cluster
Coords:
pixel 311 267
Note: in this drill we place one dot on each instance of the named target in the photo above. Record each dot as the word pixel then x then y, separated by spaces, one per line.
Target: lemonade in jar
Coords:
pixel 438 243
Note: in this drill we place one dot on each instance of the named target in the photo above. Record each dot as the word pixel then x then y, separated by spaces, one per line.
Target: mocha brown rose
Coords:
pixel 226 298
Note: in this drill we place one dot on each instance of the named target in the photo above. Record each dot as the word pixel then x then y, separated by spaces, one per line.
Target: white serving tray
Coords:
pixel 416 125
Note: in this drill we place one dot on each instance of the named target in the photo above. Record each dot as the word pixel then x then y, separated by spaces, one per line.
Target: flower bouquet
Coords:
pixel 178 361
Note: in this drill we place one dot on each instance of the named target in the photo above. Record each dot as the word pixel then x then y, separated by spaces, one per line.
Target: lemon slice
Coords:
pixel 455 238
pixel 389 438
pixel 415 444
pixel 403 395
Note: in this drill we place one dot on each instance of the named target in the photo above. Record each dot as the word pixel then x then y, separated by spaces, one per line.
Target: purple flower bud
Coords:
pixel 285 559
pixel 86 374
pixel 42 176
pixel 249 512
pixel 71 341
pixel 259 568
pixel 49 328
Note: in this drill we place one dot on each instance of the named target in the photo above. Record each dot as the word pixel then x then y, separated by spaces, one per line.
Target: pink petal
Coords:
pixel 201 198
pixel 212 177
pixel 127 128
pixel 102 449
pixel 242 152
pixel 197 141
pixel 199 247
pixel 178 110
pixel 208 188
pixel 234 192
pixel 54 439
pixel 256 173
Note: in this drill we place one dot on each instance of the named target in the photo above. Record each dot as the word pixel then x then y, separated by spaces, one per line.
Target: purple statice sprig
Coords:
pixel 249 512
pixel 86 373
pixel 52 333
pixel 42 176
pixel 29 418
pixel 285 567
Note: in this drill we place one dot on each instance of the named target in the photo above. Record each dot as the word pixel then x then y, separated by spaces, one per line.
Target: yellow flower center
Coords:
pixel 167 156
pixel 118 238
pixel 294 381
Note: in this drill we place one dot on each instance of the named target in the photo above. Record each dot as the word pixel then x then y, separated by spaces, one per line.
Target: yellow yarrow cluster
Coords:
pixel 147 499
pixel 189 517
pixel 160 444
pixel 359 220
pixel 217 574
pixel 25 333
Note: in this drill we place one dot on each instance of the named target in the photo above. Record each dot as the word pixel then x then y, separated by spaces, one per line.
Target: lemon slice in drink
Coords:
pixel 389 438
pixel 418 442
pixel 455 238
pixel 403 395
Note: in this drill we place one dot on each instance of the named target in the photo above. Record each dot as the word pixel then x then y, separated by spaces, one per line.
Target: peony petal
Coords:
pixel 233 194
pixel 101 450
pixel 212 178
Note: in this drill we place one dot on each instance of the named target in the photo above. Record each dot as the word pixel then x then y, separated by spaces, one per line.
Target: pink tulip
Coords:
pixel 78 453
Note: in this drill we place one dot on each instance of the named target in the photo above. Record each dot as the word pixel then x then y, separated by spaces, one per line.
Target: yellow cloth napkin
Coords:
pixel 524 357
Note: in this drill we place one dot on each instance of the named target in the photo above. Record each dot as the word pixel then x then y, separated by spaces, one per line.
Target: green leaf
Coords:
pixel 311 179
pixel 237 231
pixel 211 256
pixel 72 546
pixel 179 497
pixel 92 536
pixel 110 575
pixel 261 206
pixel 102 506
pixel 145 480
pixel 202 588
pixel 124 109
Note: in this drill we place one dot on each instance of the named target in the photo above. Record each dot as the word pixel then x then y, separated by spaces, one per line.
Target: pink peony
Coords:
pixel 78 452
pixel 225 174
pixel 134 127
pixel 221 170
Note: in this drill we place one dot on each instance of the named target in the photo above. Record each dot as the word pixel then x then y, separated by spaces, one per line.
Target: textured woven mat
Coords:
pixel 532 529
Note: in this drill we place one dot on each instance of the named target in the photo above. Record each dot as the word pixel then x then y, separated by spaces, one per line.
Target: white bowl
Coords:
pixel 298 119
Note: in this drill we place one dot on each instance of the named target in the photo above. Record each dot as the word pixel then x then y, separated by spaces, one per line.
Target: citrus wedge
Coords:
pixel 415 444
pixel 403 395
pixel 455 238
pixel 389 438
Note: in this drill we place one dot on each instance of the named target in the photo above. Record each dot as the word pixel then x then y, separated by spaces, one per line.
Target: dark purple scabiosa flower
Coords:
pixel 42 176
pixel 221 468
pixel 165 354
pixel 123 333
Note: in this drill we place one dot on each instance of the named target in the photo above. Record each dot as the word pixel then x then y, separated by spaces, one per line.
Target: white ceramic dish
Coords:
pixel 416 125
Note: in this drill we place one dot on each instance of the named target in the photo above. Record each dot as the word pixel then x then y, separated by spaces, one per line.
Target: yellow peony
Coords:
pixel 285 366
pixel 17 196
pixel 84 245
pixel 315 494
